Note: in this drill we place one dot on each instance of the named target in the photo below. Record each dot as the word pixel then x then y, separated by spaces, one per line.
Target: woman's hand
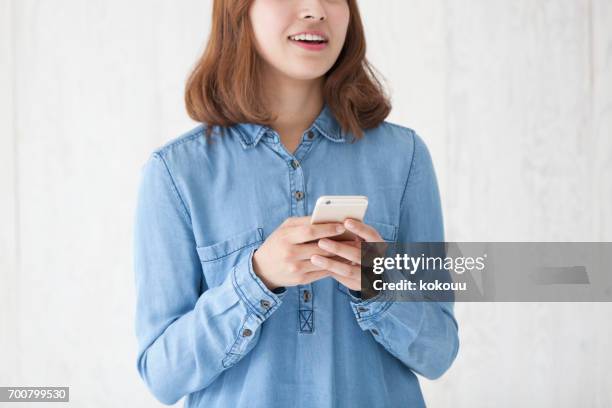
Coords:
pixel 345 265
pixel 284 257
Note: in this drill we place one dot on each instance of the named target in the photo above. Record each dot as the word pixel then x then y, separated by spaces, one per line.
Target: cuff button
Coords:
pixel 265 303
pixel 246 332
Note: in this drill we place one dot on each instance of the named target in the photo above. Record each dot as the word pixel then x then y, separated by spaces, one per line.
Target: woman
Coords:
pixel 234 307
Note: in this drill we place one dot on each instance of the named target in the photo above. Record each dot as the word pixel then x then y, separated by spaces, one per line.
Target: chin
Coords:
pixel 306 75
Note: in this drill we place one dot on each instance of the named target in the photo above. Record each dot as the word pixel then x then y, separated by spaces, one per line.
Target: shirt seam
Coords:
pixel 412 134
pixel 243 296
pixel 174 188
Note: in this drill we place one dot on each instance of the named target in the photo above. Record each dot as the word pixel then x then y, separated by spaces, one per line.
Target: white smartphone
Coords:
pixel 336 208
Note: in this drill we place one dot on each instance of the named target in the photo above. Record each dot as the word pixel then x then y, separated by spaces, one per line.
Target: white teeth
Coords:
pixel 307 37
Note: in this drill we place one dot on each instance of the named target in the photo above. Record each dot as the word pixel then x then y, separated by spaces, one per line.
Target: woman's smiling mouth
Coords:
pixel 310 40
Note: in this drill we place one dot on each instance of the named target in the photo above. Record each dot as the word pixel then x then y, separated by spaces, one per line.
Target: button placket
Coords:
pixel 305 292
pixel 305 309
pixel 298 198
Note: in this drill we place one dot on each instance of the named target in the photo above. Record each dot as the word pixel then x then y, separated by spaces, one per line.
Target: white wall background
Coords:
pixel 513 97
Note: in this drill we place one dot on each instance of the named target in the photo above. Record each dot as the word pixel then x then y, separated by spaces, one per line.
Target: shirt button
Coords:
pixel 306 296
pixel 362 309
pixel 310 134
pixel 264 303
pixel 299 195
pixel 295 164
pixel 246 332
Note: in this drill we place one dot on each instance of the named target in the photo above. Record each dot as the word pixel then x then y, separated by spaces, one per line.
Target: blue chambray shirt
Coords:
pixel 208 329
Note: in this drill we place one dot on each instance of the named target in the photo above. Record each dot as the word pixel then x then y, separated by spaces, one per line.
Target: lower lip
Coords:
pixel 310 46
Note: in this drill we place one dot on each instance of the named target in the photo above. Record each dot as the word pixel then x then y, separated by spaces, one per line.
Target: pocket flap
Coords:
pixel 234 243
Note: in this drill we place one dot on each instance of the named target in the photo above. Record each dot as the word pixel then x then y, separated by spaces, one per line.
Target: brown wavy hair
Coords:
pixel 226 88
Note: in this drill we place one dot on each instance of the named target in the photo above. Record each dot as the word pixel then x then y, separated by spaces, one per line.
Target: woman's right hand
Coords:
pixel 284 257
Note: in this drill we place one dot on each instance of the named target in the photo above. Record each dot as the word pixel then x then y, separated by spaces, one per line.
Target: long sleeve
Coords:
pixel 422 334
pixel 187 333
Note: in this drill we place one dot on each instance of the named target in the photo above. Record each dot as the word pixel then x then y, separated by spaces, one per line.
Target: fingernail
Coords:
pixel 323 243
pixel 317 260
pixel 350 223
pixel 340 228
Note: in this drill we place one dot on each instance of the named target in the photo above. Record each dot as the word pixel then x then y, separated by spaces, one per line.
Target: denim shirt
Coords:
pixel 208 328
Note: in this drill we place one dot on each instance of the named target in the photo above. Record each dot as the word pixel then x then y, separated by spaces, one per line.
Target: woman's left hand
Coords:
pixel 346 265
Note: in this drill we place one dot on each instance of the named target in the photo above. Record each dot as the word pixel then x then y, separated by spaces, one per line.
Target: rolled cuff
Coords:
pixel 252 291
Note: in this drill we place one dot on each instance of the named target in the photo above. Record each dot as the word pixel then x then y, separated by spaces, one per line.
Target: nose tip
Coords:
pixel 314 12
pixel 314 18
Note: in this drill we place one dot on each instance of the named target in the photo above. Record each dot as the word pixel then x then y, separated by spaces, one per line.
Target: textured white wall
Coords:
pixel 514 99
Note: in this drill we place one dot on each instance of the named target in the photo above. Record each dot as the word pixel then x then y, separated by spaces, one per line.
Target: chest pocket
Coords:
pixel 219 258
pixel 388 233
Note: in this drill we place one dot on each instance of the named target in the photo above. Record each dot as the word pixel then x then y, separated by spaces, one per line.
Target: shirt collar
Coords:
pixel 326 124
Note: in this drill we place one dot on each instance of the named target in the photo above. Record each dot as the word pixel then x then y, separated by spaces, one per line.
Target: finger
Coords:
pixel 346 261
pixel 306 266
pixel 356 243
pixel 346 251
pixel 305 251
pixel 293 221
pixel 365 231
pixel 310 232
pixel 341 259
pixel 332 265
